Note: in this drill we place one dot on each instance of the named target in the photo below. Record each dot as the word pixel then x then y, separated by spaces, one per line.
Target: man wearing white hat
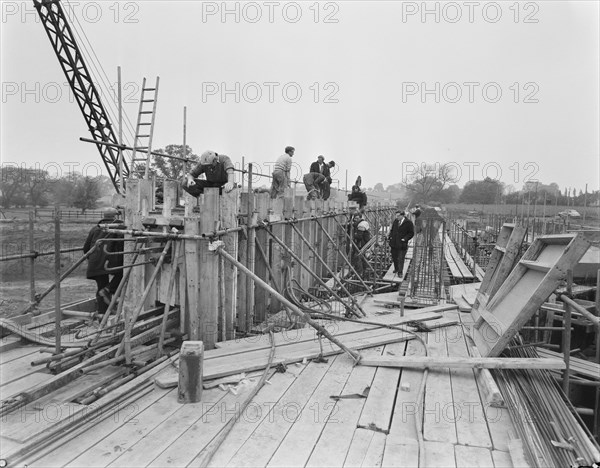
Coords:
pixel 218 170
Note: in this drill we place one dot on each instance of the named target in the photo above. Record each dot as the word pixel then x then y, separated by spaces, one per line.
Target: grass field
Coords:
pixel 14 274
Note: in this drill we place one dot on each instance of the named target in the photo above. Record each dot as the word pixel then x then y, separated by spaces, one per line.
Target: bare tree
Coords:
pixel 429 180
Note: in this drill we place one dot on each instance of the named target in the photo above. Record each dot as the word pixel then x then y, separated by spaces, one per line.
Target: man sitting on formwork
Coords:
pixel 218 170
pixel 312 182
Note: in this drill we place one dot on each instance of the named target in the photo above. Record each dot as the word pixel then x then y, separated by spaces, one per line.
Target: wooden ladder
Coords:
pixel 144 129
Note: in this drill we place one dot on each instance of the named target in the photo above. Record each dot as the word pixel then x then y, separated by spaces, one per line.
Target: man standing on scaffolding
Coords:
pixel 402 231
pixel 281 173
pixel 218 170
pixel 106 255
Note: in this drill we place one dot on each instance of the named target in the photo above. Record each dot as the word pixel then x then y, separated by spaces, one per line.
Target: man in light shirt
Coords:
pixel 281 173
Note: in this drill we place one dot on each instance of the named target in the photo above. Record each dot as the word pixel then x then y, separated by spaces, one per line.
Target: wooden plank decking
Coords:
pixel 294 421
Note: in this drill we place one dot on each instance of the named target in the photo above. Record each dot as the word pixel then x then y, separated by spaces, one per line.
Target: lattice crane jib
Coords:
pixel 80 80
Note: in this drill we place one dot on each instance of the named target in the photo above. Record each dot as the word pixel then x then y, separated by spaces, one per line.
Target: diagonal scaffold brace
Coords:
pixel 341 254
pixel 324 263
pixel 217 246
pixel 314 275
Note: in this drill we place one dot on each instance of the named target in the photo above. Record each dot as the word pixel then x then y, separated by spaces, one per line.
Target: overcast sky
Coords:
pixel 508 90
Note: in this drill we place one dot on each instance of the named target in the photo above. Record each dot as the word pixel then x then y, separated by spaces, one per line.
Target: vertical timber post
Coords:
pixel 260 267
pixel 277 253
pixel 250 252
pixel 242 305
pixel 208 265
pixel 228 217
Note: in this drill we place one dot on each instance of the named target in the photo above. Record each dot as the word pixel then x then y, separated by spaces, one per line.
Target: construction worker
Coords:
pixel 281 173
pixel 313 182
pixel 358 196
pixel 361 235
pixel 218 170
pixel 323 168
pixel 416 212
pixel 402 231
pixel 99 260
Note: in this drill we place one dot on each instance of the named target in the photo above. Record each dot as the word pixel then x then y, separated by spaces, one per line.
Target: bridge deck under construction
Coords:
pixel 415 396
pixel 313 414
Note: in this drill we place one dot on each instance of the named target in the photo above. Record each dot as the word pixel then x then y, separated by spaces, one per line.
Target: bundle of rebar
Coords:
pixel 551 431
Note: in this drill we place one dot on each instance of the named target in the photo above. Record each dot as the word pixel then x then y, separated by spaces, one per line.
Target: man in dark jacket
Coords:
pixel 358 196
pixel 325 169
pixel 402 231
pixel 218 170
pixel 99 260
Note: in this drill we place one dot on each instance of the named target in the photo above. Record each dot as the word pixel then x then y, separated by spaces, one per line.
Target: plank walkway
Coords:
pixel 458 270
pixel 391 277
pixel 294 421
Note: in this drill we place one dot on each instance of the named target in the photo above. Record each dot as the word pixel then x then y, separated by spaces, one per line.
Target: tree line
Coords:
pixel 434 185
pixel 22 186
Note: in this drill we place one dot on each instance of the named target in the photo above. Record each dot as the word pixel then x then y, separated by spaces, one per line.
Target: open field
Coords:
pixel 14 274
pixel 592 213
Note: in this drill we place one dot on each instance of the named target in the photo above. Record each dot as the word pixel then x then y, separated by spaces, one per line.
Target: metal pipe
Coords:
pixel 353 244
pixel 566 342
pixel 57 279
pixel 125 267
pixel 32 262
pixel 579 308
pixel 311 272
pixel 126 343
pixel 313 250
pixel 118 293
pixel 344 258
pixel 163 326
pixel 33 254
pixel 306 317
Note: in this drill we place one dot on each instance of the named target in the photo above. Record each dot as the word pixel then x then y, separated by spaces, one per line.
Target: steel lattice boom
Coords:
pixel 69 56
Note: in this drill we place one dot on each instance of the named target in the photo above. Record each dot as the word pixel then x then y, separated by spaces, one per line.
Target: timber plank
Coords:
pixel 220 407
pixel 255 414
pixel 75 446
pixel 473 457
pixel 107 450
pixel 471 425
pixel 189 445
pixel 338 329
pixel 439 418
pixel 154 443
pixel 378 409
pixel 22 385
pixel 17 369
pixel 334 442
pixel 10 341
pixel 16 353
pixel 255 360
pixel 291 408
pixel 400 455
pixel 366 450
pixel 501 459
pixel 403 429
pixel 29 421
pixel 498 418
pixel 440 455
pixel 297 446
